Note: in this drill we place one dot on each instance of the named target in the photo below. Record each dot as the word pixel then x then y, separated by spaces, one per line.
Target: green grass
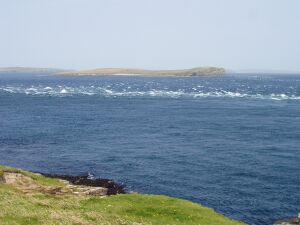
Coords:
pixel 38 178
pixel 38 208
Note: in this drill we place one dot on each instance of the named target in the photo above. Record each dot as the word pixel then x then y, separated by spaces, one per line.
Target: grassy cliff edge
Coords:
pixel 35 207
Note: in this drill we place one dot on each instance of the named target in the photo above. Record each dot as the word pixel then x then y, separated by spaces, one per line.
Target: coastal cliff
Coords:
pixel 29 198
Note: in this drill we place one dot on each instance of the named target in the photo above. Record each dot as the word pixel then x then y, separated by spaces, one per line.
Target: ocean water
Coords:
pixel 231 143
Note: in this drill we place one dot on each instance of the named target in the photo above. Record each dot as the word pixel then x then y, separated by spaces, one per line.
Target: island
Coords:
pixel 198 71
pixel 30 70
pixel 33 198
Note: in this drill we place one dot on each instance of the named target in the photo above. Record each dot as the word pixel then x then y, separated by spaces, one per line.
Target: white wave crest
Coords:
pixel 63 91
pixel 108 91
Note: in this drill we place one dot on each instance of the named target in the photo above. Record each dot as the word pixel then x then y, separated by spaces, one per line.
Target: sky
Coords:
pixel 154 34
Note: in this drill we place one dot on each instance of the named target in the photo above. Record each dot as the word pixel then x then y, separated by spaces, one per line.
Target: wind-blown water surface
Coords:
pixel 230 143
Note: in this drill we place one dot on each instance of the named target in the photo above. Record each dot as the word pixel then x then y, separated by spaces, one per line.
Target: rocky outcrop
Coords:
pixel 112 187
pixel 28 185
pixel 291 221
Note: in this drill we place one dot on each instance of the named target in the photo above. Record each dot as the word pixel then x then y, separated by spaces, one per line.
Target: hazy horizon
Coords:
pixel 237 35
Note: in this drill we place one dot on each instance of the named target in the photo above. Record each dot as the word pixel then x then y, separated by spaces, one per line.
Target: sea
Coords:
pixel 229 142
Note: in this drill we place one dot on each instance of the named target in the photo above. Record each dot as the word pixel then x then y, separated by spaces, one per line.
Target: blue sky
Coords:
pixel 158 34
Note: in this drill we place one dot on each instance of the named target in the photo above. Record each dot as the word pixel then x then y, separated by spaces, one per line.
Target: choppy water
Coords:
pixel 231 143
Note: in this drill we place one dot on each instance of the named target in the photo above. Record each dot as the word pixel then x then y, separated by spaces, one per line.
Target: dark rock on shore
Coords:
pixel 291 221
pixel 113 188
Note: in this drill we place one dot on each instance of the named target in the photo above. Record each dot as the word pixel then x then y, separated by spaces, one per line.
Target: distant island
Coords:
pixel 29 70
pixel 199 71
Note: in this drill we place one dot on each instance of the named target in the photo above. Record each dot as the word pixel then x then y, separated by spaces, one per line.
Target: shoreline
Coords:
pixel 80 186
pixel 113 188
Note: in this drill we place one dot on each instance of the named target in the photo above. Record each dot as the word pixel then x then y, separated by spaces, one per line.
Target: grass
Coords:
pixel 36 177
pixel 38 208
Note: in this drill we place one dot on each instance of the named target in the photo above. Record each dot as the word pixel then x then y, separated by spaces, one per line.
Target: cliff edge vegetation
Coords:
pixel 30 198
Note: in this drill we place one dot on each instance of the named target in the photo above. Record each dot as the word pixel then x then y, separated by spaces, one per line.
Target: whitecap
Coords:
pixel 154 92
pixel 63 91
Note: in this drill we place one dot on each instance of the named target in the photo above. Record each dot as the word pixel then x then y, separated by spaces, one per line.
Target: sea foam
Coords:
pixel 108 91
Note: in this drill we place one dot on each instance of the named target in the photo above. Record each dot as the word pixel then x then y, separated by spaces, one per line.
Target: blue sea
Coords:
pixel 230 142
